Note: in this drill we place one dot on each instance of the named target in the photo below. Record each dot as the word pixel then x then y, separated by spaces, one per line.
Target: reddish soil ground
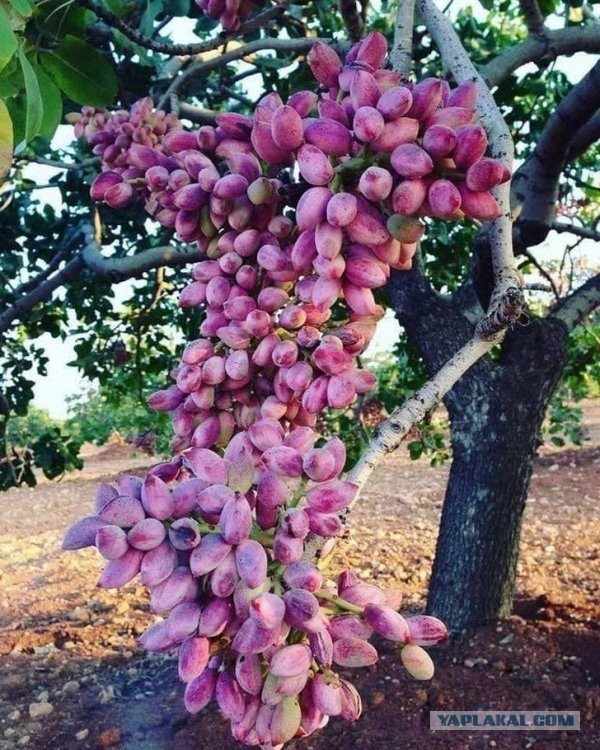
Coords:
pixel 71 675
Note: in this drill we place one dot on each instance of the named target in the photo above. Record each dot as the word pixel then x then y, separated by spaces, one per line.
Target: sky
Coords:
pixel 61 380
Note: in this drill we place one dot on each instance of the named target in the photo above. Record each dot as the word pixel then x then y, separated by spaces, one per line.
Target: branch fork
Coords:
pixel 507 300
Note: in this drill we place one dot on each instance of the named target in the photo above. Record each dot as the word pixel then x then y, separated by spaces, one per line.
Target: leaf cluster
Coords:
pixel 56 56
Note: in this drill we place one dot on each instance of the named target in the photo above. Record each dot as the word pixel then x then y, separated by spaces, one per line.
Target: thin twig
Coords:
pixel 581 183
pixel 167 48
pixel 587 233
pixel 165 22
pixel 568 253
pixel 542 271
pixel 589 15
pixel 245 74
pixel 202 68
pixel 141 325
pixel 238 97
pixel 197 114
pixel 91 258
pixel 55 262
pixel 85 164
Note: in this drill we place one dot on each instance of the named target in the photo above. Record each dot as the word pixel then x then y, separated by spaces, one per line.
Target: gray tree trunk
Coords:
pixel 496 411
pixel 496 425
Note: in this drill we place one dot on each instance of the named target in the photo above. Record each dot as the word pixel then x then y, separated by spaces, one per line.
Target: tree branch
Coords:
pixel 203 67
pixel 535 184
pixel 352 19
pixel 537 286
pixel 198 115
pixel 119 269
pixel 541 49
pixel 507 298
pixel 391 431
pixel 401 54
pixel 533 16
pixel 579 304
pixel 43 275
pixel 91 162
pixel 542 271
pixel 91 258
pixel 589 15
pixel 167 48
pixel 586 136
pixel 587 233
pixel 41 293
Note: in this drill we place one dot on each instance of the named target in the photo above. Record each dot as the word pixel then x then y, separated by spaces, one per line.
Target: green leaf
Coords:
pixel 8 40
pixel 415 449
pixel 55 18
pixel 6 140
pixel 11 80
pixel 53 107
pixel 153 9
pixel 81 72
pixel 176 7
pixel 23 7
pixel 205 24
pixel 123 8
pixel 16 108
pixel 115 6
pixel 124 43
pixel 35 105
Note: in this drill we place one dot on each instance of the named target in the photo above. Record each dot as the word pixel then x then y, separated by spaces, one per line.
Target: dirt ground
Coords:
pixel 71 675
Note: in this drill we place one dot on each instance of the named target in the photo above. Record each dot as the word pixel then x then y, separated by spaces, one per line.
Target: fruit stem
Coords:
pixel 298 495
pixel 339 602
pixel 261 536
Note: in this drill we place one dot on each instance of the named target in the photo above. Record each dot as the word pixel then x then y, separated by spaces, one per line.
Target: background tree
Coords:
pixel 61 265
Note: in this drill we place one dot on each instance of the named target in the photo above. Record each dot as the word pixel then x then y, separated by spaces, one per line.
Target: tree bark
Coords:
pixel 496 412
pixel 496 420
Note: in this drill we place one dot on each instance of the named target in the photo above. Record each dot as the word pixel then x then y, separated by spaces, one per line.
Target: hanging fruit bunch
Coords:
pixel 303 206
